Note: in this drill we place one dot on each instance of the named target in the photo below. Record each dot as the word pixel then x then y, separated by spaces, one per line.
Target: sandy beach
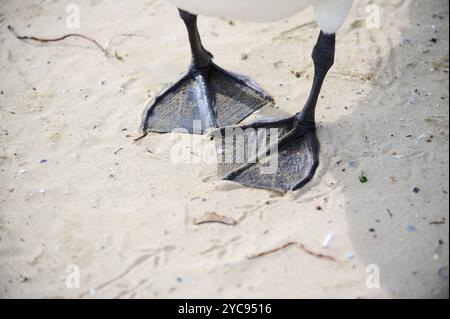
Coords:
pixel 77 192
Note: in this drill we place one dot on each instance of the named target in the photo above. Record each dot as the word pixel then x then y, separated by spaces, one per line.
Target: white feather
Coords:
pixel 331 14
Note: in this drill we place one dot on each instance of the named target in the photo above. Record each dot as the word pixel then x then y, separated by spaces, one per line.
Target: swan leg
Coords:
pixel 206 97
pixel 294 156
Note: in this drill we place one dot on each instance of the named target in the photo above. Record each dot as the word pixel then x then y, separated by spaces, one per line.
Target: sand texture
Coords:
pixel 76 189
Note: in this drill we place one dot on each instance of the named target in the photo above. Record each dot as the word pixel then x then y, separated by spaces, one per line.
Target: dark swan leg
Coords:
pixel 206 97
pixel 297 147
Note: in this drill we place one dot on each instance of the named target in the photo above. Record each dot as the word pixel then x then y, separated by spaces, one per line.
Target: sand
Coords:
pixel 75 189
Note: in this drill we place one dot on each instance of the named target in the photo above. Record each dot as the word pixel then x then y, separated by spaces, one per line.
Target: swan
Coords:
pixel 214 97
pixel 199 95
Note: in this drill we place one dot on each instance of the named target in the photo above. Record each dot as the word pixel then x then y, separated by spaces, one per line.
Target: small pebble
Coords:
pixel 411 229
pixel 363 178
pixel 352 163
pixel 327 241
pixel 416 190
pixel 443 272
pixel 350 255
pixel 93 203
pixel 21 278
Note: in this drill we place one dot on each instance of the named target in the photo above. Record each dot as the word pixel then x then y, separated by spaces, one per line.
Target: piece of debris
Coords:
pixel 318 255
pixel 327 241
pixel 352 163
pixel 440 222
pixel 298 74
pixel 291 244
pixel 22 172
pixel 367 77
pixel 363 178
pixel 106 50
pixel 316 204
pixel 411 229
pixel 117 56
pixel 22 278
pixel 389 212
pixel 211 217
pixel 118 151
pixel 416 190
pixel 43 161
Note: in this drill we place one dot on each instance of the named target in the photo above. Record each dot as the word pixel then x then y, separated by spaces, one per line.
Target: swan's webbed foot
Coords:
pixel 207 98
pixel 292 157
pixel 287 154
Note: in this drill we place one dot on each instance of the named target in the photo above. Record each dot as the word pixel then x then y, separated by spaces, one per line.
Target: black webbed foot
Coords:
pixel 280 155
pixel 203 99
pixel 286 159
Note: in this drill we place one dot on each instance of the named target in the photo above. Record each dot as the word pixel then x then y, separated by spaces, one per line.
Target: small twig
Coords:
pixel 61 38
pixel 389 212
pixel 309 252
pixel 211 217
pixel 274 250
pixel 117 152
pixel 437 223
pixel 300 246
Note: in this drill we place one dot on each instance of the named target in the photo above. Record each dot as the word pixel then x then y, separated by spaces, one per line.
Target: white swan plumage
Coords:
pixel 330 14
